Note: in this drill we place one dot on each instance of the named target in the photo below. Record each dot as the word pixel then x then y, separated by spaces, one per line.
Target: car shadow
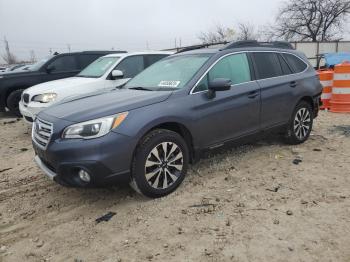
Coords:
pixel 7 115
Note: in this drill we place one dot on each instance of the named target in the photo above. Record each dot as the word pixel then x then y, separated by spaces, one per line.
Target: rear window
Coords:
pixel 267 65
pixel 295 63
pixel 285 67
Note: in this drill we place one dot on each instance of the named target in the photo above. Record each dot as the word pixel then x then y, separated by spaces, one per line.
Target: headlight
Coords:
pixel 45 98
pixel 94 128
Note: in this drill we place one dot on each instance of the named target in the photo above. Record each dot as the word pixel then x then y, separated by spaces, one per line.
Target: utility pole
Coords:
pixel 68 47
pixel 32 57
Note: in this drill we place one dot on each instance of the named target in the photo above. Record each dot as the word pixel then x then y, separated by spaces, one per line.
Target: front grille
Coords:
pixel 42 132
pixel 25 98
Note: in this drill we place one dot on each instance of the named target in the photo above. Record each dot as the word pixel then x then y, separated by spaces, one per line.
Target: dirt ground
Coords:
pixel 248 203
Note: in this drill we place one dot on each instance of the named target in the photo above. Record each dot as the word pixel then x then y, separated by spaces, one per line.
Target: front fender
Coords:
pixel 142 120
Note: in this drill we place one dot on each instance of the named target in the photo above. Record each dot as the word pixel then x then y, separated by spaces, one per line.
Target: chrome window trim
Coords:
pixel 251 51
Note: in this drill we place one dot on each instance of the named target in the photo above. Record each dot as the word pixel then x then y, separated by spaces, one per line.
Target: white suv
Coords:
pixel 106 72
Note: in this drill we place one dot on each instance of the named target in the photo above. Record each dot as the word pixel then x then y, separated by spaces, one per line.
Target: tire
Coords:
pixel 13 100
pixel 154 175
pixel 300 124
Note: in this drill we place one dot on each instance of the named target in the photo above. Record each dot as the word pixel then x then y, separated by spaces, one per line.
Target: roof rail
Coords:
pixel 195 47
pixel 255 43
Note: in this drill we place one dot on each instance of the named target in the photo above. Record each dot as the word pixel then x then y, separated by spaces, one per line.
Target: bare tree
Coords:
pixel 247 31
pixel 218 35
pixel 8 57
pixel 315 20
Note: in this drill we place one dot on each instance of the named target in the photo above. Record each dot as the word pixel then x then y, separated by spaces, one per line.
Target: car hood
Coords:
pixel 61 86
pixel 104 104
pixel 19 73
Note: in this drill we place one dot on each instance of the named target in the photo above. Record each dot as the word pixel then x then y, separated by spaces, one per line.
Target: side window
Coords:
pixel 151 59
pixel 86 59
pixel 64 64
pixel 267 65
pixel 234 67
pixel 285 67
pixel 296 63
pixel 131 66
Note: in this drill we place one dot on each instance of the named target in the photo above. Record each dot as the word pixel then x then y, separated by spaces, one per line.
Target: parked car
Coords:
pixel 107 72
pixel 149 132
pixel 23 67
pixel 50 68
pixel 2 69
pixel 14 67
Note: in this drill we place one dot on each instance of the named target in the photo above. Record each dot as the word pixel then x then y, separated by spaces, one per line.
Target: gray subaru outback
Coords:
pixel 149 131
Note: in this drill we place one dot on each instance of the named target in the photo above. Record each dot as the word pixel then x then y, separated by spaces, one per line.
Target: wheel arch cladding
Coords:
pixel 178 128
pixel 307 99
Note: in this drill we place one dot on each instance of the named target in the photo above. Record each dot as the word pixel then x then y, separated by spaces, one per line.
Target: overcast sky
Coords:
pixel 126 25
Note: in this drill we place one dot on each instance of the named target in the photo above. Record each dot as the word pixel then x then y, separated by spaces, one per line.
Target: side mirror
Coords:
pixel 50 68
pixel 217 85
pixel 117 74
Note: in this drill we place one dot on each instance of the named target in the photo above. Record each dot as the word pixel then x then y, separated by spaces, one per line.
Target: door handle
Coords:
pixel 293 84
pixel 253 94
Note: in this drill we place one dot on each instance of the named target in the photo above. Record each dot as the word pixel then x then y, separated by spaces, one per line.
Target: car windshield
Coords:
pixel 99 67
pixel 40 63
pixel 170 73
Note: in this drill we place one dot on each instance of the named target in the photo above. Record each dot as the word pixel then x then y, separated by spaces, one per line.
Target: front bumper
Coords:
pixel 29 113
pixel 107 159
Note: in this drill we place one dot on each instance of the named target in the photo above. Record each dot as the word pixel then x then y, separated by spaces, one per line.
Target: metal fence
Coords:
pixel 313 50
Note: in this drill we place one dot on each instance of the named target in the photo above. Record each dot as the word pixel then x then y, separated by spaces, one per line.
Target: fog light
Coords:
pixel 83 175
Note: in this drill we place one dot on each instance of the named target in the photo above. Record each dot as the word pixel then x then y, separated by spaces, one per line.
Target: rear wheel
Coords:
pixel 300 124
pixel 13 100
pixel 160 163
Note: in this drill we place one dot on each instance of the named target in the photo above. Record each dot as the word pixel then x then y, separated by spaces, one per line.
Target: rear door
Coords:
pixel 151 59
pixel 86 59
pixel 62 66
pixel 230 114
pixel 277 87
pixel 130 66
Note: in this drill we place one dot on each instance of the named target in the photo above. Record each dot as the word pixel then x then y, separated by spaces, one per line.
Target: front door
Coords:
pixel 230 114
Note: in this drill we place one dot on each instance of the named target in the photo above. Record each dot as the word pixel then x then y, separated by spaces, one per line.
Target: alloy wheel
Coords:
pixel 302 123
pixel 164 165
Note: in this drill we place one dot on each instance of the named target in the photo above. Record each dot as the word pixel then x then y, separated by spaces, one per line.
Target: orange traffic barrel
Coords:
pixel 340 101
pixel 326 79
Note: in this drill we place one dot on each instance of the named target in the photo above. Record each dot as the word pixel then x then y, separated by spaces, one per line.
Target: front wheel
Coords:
pixel 13 100
pixel 300 124
pixel 160 163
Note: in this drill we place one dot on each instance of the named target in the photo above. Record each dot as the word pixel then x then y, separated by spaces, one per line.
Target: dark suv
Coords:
pixel 149 131
pixel 50 68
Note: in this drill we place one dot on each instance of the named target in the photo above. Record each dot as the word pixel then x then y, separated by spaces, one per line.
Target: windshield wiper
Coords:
pixel 140 88
pixel 86 76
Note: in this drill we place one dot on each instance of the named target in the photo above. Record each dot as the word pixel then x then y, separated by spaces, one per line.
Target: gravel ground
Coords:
pixel 248 203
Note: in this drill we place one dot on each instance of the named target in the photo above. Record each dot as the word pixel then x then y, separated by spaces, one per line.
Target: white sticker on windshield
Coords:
pixel 169 83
